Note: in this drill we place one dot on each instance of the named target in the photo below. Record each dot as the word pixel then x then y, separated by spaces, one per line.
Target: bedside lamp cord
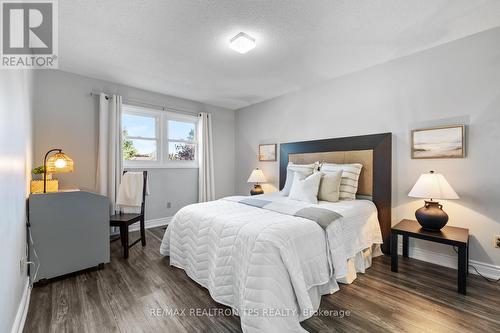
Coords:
pixel 36 263
pixel 481 275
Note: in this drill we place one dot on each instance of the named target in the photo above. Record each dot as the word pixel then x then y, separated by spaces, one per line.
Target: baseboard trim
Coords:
pixel 22 310
pixel 487 270
pixel 161 222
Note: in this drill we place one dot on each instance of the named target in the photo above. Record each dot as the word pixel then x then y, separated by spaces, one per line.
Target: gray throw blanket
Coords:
pixel 321 216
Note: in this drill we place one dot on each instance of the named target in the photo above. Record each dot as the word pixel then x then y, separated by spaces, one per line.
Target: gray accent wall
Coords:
pixel 16 101
pixel 455 83
pixel 66 116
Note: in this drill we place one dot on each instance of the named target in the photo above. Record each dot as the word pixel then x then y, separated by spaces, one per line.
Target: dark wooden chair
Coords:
pixel 124 220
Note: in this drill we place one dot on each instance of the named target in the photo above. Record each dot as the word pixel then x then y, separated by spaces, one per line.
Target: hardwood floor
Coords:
pixel 121 297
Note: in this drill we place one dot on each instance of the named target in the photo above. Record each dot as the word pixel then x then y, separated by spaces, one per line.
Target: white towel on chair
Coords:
pixel 129 198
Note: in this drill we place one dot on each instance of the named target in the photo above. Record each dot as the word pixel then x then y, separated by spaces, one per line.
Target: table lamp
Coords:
pixel 432 186
pixel 57 163
pixel 257 176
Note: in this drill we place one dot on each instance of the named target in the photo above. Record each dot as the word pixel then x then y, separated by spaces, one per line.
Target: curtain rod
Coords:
pixel 146 104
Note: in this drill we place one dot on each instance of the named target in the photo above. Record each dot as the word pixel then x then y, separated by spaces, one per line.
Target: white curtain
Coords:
pixel 109 158
pixel 206 187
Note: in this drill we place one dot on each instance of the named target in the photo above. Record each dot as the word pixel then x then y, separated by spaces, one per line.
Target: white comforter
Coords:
pixel 263 263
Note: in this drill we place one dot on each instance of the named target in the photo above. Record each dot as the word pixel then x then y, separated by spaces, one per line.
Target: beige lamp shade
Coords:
pixel 59 162
pixel 257 176
pixel 433 186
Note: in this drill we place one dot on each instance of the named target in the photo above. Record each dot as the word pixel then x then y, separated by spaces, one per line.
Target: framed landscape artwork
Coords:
pixel 267 152
pixel 439 142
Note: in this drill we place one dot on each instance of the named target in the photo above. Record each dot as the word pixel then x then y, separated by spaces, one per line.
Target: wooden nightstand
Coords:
pixel 453 236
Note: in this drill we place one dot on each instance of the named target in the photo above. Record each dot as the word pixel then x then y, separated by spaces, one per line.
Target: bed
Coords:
pixel 270 264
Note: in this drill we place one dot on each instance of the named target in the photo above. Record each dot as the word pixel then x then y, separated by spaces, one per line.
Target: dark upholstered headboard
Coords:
pixel 373 151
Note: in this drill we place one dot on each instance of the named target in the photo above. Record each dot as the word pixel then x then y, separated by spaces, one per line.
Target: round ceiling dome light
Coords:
pixel 242 43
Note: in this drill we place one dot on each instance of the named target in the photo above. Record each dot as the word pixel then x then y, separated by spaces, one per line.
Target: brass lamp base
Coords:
pixel 257 189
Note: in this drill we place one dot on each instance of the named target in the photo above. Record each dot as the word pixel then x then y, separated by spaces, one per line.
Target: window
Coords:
pixel 156 138
pixel 140 137
pixel 181 140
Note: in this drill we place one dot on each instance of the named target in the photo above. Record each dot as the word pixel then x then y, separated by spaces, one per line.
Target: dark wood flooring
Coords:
pixel 121 297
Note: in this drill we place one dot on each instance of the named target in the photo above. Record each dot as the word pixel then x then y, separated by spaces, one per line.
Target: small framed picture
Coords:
pixel 438 142
pixel 267 152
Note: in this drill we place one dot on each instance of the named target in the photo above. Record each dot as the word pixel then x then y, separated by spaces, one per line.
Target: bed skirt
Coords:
pixel 358 264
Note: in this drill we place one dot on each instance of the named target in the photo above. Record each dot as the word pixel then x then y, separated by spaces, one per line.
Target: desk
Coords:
pixel 70 231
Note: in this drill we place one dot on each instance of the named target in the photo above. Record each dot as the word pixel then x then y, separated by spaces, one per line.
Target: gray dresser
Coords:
pixel 70 232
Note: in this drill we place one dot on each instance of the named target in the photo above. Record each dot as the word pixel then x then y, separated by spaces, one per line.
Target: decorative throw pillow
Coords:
pixel 305 189
pixel 291 169
pixel 350 178
pixel 329 187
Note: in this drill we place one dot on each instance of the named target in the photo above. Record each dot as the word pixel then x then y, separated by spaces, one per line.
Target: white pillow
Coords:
pixel 350 178
pixel 291 169
pixel 305 189
pixel 329 187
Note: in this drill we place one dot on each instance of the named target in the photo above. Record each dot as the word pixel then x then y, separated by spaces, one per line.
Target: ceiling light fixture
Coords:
pixel 242 43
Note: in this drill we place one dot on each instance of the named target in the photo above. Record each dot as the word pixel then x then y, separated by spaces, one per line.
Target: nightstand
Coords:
pixel 453 236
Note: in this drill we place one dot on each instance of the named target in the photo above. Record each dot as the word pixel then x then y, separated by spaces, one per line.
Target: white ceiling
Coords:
pixel 179 47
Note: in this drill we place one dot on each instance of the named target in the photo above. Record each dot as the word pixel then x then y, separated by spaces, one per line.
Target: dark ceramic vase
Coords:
pixel 432 216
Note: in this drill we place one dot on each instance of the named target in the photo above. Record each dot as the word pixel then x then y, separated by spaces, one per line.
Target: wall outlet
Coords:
pixel 497 241
pixel 23 263
pixel 169 204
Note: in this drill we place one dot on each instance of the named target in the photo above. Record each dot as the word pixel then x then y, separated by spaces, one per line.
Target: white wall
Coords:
pixel 15 163
pixel 66 116
pixel 454 83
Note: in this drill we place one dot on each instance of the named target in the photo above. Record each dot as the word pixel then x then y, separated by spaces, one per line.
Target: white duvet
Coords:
pixel 263 263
